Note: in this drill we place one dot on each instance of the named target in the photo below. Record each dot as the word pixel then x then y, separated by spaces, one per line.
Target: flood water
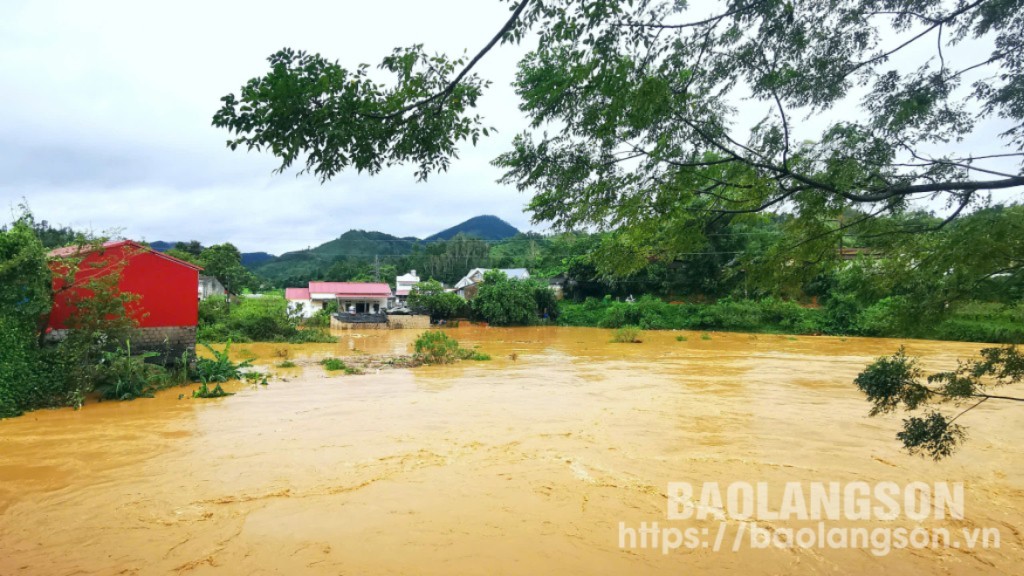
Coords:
pixel 526 464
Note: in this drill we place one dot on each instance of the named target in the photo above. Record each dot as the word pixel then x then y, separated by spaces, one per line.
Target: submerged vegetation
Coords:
pixel 126 376
pixel 627 335
pixel 337 364
pixel 220 368
pixel 436 347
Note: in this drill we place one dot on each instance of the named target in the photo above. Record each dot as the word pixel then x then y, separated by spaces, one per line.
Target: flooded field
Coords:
pixel 526 464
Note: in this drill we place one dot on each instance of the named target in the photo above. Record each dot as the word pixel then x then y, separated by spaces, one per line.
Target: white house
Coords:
pixel 476 276
pixel 359 297
pixel 404 284
pixel 209 286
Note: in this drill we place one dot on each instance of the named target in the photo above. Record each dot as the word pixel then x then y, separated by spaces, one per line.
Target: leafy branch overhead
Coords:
pixel 674 113
pixel 895 383
pixel 339 118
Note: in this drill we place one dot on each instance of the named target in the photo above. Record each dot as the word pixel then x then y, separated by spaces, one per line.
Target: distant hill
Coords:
pixel 250 259
pixel 490 228
pixel 362 245
pixel 356 244
pixel 161 246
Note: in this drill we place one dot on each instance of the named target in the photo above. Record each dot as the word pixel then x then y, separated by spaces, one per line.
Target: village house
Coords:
pixel 404 284
pixel 467 286
pixel 166 309
pixel 356 297
pixel 210 286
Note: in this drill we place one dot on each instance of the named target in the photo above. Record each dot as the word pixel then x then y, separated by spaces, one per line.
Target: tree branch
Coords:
pixel 443 94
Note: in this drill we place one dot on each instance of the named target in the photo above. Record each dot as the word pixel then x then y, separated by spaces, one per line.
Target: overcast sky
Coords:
pixel 106 110
pixel 107 106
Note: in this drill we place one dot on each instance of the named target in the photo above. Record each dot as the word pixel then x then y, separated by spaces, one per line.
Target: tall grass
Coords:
pixel 628 335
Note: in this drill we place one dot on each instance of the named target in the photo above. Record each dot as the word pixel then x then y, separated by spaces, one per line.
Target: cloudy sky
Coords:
pixel 107 108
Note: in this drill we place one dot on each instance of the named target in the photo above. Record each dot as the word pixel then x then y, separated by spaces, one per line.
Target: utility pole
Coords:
pixel 376 268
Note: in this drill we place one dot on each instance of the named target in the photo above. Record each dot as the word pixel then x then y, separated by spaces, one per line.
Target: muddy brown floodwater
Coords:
pixel 513 466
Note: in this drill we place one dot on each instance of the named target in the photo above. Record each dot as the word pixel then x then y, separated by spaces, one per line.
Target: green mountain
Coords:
pixel 354 244
pixel 361 246
pixel 490 228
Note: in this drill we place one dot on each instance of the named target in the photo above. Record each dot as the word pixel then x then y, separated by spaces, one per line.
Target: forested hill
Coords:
pixel 490 228
pixel 358 245
pixel 361 246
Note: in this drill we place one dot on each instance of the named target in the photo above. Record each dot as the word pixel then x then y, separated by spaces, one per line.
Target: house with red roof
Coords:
pixel 166 308
pixel 357 297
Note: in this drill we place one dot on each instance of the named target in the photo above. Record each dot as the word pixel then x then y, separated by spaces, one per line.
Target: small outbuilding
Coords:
pixel 467 286
pixel 166 310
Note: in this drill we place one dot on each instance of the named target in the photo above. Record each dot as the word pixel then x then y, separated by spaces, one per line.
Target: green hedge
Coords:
pixel 649 313
pixel 972 322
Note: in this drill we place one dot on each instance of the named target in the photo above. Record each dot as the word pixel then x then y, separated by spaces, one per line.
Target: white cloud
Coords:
pixel 109 107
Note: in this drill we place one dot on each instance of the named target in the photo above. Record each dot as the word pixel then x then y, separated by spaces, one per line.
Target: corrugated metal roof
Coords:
pixel 296 293
pixel 352 289
pixel 68 251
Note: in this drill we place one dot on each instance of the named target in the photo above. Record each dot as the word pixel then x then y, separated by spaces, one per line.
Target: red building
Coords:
pixel 167 308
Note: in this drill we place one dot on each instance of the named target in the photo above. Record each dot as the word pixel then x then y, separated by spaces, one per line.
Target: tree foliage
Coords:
pixel 644 100
pixel 895 383
pixel 224 262
pixel 431 298
pixel 504 301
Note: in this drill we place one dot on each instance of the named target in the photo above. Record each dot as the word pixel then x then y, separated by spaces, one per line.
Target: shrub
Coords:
pixel 213 310
pixel 681 338
pixel 204 391
pixel 627 334
pixel 220 368
pixel 126 376
pixel 312 335
pixel 263 319
pixel 332 364
pixel 473 354
pixel 436 347
pixel 882 318
pixel 287 364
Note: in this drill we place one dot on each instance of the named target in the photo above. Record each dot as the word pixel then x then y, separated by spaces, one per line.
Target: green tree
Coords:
pixel 505 301
pixel 431 298
pixel 192 247
pixel 25 300
pixel 646 96
pixel 224 262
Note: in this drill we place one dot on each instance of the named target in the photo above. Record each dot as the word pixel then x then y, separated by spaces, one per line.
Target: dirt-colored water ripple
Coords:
pixel 516 466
